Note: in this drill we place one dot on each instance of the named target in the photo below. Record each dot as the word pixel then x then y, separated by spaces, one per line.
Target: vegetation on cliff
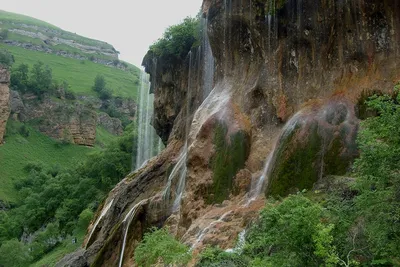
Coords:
pixel 176 41
pixel 347 226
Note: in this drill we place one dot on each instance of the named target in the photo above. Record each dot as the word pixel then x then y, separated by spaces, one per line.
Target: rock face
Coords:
pixel 287 84
pixel 4 101
pixel 112 125
pixel 70 122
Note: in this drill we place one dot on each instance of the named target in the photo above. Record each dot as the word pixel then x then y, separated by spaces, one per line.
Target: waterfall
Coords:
pixel 148 143
pixel 209 64
pixel 102 214
pixel 239 244
pixel 127 222
pixel 203 232
pixel 178 168
pixel 258 186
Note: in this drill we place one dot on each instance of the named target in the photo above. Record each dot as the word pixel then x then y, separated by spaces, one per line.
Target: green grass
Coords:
pixel 80 75
pixel 7 18
pixel 103 137
pixel 17 18
pixel 66 247
pixel 17 151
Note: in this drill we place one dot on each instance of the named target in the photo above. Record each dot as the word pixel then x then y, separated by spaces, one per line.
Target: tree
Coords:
pixel 14 254
pixel 290 233
pixel 6 58
pixel 99 83
pixel 158 245
pixel 20 78
pixel 40 79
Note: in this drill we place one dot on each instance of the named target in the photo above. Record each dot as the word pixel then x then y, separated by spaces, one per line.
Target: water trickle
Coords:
pixel 182 178
pixel 239 244
pixel 178 169
pixel 102 214
pixel 127 222
pixel 258 186
pixel 203 232
pixel 209 62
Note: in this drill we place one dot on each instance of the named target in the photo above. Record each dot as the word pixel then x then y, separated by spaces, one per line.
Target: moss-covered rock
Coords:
pixel 322 142
pixel 231 152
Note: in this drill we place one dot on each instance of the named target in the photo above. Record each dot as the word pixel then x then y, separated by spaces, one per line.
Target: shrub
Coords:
pixel 158 245
pixel 177 40
pixel 6 58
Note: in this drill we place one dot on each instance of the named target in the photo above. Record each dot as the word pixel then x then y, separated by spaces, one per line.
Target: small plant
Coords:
pixel 159 246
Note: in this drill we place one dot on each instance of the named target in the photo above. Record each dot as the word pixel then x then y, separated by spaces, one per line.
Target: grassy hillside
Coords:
pixel 10 20
pixel 78 74
pixel 19 150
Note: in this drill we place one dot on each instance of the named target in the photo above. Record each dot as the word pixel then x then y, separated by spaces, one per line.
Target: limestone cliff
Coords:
pixel 71 122
pixel 288 88
pixel 4 101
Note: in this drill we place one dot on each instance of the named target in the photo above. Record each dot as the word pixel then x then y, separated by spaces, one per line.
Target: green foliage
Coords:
pixel 38 81
pixel 379 181
pixel 100 87
pixel 230 157
pixel 177 40
pixel 159 246
pixel 41 78
pixel 20 78
pixel 63 199
pixel 6 59
pixel 216 257
pixel 99 83
pixel 14 254
pixel 80 76
pixel 287 234
pixel 3 34
pixel 84 219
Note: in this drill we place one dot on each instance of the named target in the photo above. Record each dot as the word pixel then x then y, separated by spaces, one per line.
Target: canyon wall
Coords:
pixel 288 89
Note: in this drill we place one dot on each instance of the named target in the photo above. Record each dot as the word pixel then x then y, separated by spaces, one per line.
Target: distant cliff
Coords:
pixel 4 100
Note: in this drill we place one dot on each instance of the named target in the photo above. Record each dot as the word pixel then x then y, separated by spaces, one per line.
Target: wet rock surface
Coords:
pixel 307 61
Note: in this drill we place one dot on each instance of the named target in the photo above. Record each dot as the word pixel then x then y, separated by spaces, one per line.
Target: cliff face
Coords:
pixel 4 101
pixel 69 122
pixel 289 82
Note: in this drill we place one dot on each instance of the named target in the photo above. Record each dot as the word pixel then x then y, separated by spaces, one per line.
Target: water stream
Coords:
pixel 203 232
pixel 102 214
pixel 127 222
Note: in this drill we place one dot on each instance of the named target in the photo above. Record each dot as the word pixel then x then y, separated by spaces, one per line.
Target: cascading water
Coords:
pixel 147 145
pixel 258 187
pixel 182 177
pixel 203 232
pixel 102 214
pixel 209 63
pixel 127 222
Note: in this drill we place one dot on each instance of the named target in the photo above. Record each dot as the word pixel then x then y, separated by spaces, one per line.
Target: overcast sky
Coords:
pixel 129 25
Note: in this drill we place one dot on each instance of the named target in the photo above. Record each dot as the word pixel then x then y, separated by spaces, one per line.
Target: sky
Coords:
pixel 131 26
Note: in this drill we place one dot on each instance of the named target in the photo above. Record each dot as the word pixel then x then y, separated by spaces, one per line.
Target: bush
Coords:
pixel 14 254
pixel 158 245
pixel 99 83
pixel 24 131
pixel 177 40
pixel 6 58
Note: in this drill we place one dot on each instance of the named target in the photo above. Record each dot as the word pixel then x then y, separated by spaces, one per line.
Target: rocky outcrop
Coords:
pixel 66 121
pixel 4 100
pixel 112 125
pixel 287 83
